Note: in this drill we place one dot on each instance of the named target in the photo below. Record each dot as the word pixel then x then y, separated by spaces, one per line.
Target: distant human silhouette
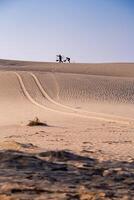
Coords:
pixel 59 58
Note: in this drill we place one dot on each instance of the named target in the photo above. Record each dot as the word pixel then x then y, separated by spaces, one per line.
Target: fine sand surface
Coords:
pixel 87 149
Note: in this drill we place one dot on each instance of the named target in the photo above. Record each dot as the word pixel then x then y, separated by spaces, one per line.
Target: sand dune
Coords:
pixel 85 89
pixel 70 99
pixel 88 109
pixel 88 90
pixel 104 69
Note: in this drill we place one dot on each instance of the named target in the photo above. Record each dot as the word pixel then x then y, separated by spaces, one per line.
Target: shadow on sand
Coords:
pixel 63 175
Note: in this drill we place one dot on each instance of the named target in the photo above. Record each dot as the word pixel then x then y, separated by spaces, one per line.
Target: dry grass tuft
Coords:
pixel 36 122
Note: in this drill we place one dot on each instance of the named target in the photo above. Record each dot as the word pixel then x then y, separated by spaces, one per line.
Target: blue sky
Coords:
pixel 85 30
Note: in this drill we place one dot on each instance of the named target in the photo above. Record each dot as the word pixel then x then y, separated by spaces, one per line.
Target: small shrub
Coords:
pixel 36 122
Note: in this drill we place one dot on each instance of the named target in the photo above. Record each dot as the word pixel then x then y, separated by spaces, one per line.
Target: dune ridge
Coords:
pixel 104 69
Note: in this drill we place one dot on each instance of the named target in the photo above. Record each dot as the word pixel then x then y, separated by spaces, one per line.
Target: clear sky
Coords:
pixel 85 30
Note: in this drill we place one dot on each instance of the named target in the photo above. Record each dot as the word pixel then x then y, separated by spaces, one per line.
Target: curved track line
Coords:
pixel 46 108
pixel 121 120
pixel 27 93
pixel 47 96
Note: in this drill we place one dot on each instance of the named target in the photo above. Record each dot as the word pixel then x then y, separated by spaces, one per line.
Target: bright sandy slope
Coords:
pixel 88 106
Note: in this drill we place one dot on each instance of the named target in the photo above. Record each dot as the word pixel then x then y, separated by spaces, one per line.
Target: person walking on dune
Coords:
pixel 59 58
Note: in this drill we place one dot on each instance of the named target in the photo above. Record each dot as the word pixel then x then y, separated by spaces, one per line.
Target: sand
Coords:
pixel 89 109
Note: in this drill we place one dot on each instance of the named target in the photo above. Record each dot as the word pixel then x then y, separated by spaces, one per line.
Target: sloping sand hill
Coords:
pixel 100 90
pixel 89 109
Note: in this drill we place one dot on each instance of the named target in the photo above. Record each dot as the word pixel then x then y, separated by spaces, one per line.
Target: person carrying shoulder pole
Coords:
pixel 60 58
